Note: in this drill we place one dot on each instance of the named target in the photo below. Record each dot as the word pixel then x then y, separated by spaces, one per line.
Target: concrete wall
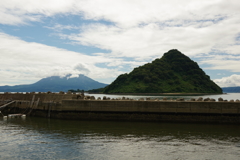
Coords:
pixel 150 106
pixel 63 106
pixel 64 102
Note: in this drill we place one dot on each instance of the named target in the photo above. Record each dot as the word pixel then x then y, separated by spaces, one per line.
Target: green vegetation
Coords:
pixel 99 90
pixel 173 73
pixel 78 90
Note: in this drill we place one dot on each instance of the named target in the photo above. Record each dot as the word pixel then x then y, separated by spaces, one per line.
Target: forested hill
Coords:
pixel 173 73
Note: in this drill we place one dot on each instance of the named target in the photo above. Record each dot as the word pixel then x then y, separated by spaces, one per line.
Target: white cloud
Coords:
pixel 22 60
pixel 124 13
pixel 222 62
pixel 231 81
pixel 151 40
pixel 16 12
pixel 82 68
pixel 59 27
pixel 127 13
pixel 141 30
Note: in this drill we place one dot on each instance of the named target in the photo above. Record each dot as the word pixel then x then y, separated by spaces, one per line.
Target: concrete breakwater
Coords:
pixel 78 106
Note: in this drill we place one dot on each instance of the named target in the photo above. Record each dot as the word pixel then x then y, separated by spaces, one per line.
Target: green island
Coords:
pixel 173 73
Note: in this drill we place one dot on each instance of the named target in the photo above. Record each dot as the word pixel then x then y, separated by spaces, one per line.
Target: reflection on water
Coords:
pixel 39 138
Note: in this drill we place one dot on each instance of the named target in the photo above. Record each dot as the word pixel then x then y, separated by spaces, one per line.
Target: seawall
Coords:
pixel 67 106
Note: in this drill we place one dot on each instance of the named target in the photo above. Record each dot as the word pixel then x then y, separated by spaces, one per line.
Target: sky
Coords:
pixel 105 38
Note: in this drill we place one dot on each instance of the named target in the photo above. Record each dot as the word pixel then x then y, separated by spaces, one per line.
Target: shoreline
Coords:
pixel 160 94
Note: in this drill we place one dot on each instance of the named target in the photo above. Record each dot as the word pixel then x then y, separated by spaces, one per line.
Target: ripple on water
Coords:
pixel 41 139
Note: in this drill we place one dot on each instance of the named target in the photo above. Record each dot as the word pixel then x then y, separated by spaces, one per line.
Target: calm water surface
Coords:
pixel 40 138
pixel 227 96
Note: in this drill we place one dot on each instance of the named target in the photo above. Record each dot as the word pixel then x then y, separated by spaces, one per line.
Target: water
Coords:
pixel 227 96
pixel 40 138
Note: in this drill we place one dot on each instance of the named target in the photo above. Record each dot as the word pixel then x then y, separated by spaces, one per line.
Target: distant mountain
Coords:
pixel 56 84
pixel 231 89
pixel 173 73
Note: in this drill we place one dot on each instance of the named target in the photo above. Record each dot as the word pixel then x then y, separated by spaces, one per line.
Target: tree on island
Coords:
pixel 173 73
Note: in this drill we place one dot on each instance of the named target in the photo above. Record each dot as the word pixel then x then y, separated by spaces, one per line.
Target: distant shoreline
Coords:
pixel 161 94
